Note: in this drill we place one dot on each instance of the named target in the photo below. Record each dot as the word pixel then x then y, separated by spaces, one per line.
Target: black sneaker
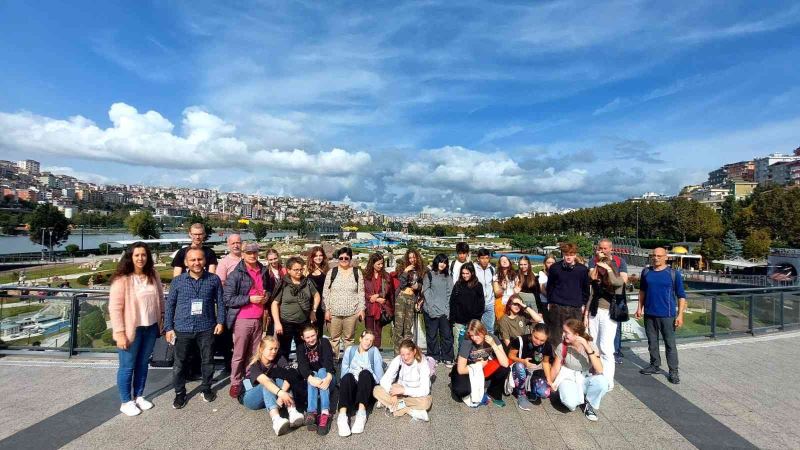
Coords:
pixel 179 402
pixel 650 370
pixel 673 377
pixel 588 411
pixel 618 359
pixel 209 395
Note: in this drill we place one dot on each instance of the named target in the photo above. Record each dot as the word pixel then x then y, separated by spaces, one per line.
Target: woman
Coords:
pixel 294 305
pixel 607 286
pixel 362 369
pixel 548 261
pixel 503 284
pixel 315 270
pixel 516 320
pixel 578 370
pixel 344 305
pixel 466 303
pixel 436 290
pixel 245 296
pixel 276 272
pixel 378 293
pixel 136 307
pixel 405 387
pixel 532 358
pixel 315 364
pixel 272 380
pixel 529 286
pixel 410 275
pixel 483 355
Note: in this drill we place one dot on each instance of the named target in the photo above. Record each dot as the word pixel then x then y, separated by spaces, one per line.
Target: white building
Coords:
pixel 29 166
pixel 762 165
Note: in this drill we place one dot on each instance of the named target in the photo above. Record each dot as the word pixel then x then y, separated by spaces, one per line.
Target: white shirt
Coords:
pixel 457 269
pixel 486 276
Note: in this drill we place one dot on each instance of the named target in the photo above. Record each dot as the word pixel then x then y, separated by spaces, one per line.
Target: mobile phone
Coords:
pixel 247 384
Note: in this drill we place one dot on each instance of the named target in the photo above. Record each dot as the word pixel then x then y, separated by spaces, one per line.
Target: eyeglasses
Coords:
pixel 344 258
pixel 299 269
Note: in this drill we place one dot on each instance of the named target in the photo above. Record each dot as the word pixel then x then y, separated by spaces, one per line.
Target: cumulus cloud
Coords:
pixel 149 139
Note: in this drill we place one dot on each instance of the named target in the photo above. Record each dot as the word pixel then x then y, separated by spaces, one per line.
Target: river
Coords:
pixel 23 244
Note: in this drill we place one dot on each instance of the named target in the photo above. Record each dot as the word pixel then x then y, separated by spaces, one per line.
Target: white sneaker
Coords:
pixel 358 424
pixel 280 425
pixel 343 425
pixel 295 418
pixel 130 409
pixel 143 404
pixel 419 414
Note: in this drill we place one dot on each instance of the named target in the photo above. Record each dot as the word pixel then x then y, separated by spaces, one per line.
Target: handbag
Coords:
pixel 386 317
pixel 618 310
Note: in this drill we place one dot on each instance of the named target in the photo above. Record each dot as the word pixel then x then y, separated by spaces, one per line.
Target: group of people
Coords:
pixel 499 329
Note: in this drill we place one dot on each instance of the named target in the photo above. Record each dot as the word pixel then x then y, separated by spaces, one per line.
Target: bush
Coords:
pixel 108 338
pixel 84 340
pixel 87 308
pixel 93 324
pixel 705 319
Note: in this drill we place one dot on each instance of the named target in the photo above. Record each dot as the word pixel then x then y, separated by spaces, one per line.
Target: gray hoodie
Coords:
pixel 436 289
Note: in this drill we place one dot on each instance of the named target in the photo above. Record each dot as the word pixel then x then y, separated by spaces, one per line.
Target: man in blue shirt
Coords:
pixel 194 313
pixel 660 287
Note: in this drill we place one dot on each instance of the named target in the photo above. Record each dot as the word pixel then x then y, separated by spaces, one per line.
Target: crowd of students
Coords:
pixel 500 330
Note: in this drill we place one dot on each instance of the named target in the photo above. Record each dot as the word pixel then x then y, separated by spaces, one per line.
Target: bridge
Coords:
pixel 731 395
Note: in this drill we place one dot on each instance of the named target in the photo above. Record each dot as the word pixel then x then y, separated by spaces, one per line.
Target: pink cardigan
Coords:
pixel 124 309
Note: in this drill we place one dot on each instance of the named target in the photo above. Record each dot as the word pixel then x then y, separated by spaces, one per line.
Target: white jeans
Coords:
pixel 603 330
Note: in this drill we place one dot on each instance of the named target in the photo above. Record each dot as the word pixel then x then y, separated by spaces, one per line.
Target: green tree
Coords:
pixel 756 244
pixel 733 247
pixel 144 225
pixel 93 324
pixel 104 248
pixel 48 226
pixel 195 218
pixel 72 250
pixel 259 230
pixel 712 249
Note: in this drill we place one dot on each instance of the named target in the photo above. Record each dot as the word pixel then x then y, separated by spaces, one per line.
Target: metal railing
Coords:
pixel 71 321
pixel 741 279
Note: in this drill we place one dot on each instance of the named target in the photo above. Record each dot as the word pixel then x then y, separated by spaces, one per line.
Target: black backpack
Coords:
pixel 335 271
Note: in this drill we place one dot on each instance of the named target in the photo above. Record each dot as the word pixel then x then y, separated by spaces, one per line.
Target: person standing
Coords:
pixel 344 300
pixel 245 295
pixel 462 257
pixel 315 270
pixel 567 291
pixel 197 233
pixel 294 305
pixel 504 285
pixel 607 288
pixel 661 285
pixel 549 260
pixel 408 294
pixel 529 286
pixel 436 290
pixel 136 309
pixel 232 259
pixel 194 314
pixel 485 273
pixel 379 293
pixel 606 246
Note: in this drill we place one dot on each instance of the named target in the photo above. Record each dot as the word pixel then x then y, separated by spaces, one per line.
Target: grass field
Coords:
pixel 17 310
pixel 34 273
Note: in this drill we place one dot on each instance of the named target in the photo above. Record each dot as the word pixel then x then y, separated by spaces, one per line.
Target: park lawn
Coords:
pixel 691 327
pixel 17 310
pixel 34 273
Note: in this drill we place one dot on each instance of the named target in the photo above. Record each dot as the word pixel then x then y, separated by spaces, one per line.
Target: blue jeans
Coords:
pixel 133 362
pixel 323 394
pixel 594 388
pixel 488 317
pixel 260 398
pixel 618 342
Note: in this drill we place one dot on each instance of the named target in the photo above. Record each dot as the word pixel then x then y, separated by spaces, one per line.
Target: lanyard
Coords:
pixel 198 288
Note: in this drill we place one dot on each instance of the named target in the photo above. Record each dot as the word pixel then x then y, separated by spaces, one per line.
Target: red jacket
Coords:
pixel 384 287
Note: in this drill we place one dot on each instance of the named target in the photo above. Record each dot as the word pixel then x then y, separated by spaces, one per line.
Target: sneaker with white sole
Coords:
pixel 419 414
pixel 343 425
pixel 295 418
pixel 589 412
pixel 523 403
pixel 280 425
pixel 130 409
pixel 143 404
pixel 359 423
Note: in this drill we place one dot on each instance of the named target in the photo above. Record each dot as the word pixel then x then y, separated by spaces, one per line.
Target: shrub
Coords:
pixel 84 340
pixel 705 319
pixel 93 324
pixel 108 337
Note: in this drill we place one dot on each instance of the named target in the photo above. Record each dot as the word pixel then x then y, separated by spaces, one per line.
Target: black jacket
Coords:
pixel 325 358
pixel 568 286
pixel 466 303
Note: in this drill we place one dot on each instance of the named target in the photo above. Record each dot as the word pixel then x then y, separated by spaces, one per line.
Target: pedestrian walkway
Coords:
pixel 731 396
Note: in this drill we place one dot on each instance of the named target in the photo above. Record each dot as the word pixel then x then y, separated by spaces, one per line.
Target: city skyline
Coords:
pixel 476 108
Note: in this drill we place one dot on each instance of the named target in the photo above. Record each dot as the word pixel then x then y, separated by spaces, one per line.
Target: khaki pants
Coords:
pixel 342 325
pixel 423 403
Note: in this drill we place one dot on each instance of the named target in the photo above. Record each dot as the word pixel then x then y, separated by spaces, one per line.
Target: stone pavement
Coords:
pixel 736 393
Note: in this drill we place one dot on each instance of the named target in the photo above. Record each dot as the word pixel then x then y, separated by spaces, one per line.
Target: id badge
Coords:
pixel 197 307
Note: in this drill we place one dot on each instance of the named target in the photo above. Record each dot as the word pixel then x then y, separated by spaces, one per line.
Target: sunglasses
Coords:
pixel 344 258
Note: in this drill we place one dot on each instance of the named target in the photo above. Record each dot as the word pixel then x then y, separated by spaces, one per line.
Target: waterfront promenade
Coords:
pixel 735 393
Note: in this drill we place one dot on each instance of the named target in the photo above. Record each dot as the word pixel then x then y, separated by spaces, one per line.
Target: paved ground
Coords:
pixel 736 393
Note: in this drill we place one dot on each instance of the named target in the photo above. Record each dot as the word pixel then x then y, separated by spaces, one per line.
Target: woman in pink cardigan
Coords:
pixel 136 307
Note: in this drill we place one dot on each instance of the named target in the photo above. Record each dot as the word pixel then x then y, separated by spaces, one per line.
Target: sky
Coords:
pixel 490 108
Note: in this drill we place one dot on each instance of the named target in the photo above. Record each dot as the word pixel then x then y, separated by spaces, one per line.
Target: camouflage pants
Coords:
pixel 403 319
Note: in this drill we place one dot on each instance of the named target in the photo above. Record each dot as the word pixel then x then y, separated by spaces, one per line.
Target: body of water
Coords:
pixel 514 257
pixel 23 244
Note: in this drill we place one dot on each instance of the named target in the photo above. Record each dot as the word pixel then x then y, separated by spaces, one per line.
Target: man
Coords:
pixel 567 291
pixel 197 232
pixel 485 274
pixel 660 286
pixel 462 257
pixel 606 247
pixel 194 315
pixel 246 292
pixel 231 260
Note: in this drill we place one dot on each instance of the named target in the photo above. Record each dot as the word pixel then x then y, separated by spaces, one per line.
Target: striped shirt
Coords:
pixel 182 292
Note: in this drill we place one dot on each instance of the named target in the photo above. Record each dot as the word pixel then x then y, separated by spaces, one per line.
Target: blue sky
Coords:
pixel 482 107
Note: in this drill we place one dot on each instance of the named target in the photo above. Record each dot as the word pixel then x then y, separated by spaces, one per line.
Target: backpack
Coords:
pixel 672 273
pixel 335 271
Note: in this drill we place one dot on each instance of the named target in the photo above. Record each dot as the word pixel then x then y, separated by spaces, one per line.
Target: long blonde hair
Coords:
pixel 262 346
pixel 409 344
